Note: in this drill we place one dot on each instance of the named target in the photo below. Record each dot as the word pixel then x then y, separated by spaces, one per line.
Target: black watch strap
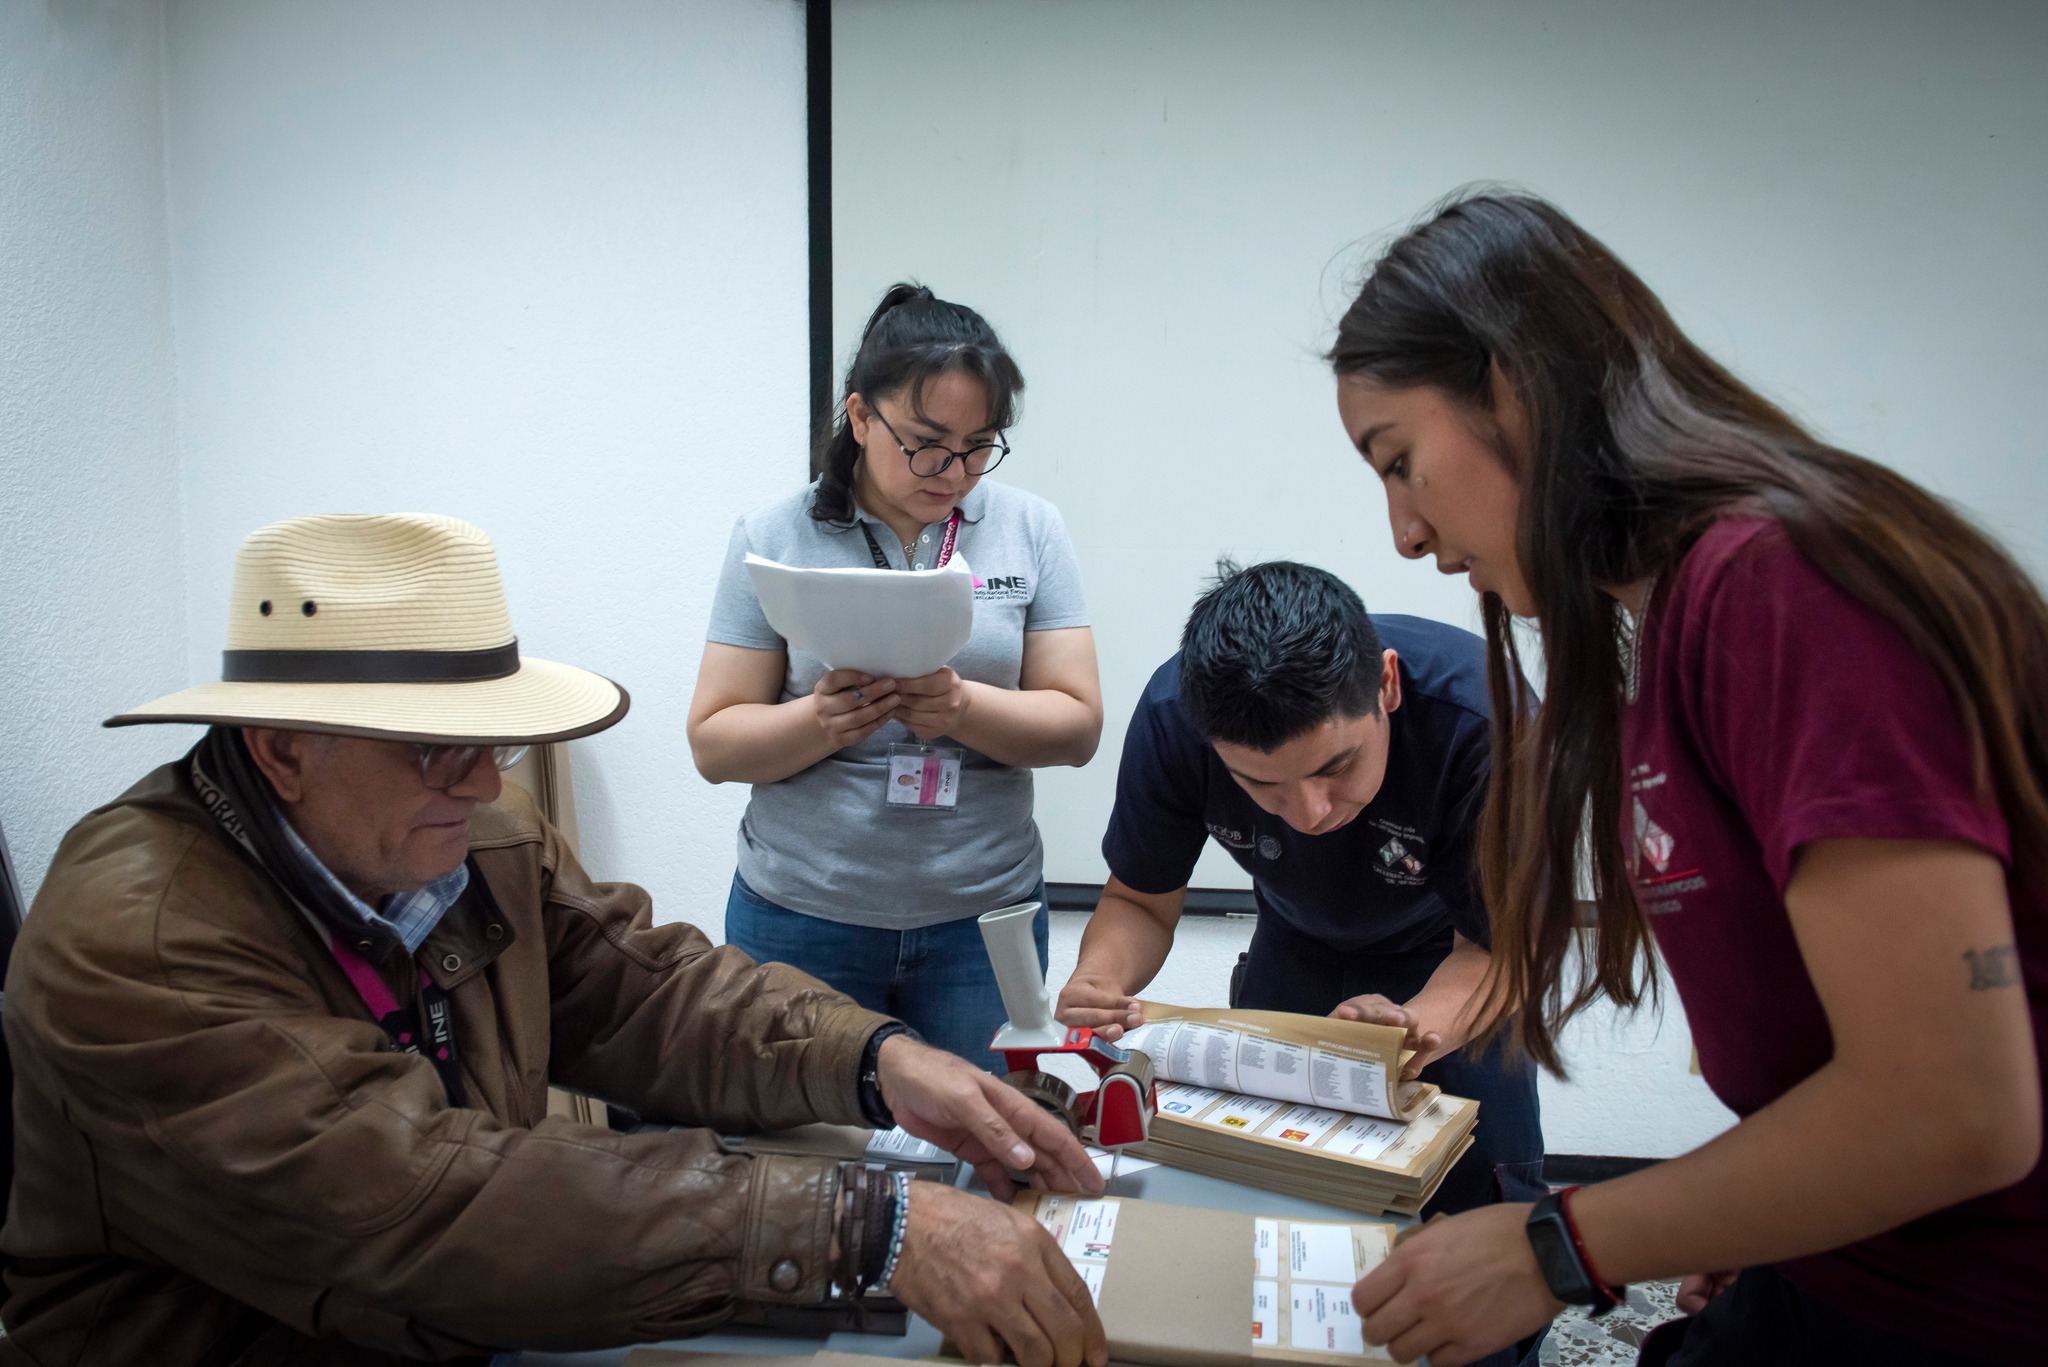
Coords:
pixel 873 1109
pixel 1557 1256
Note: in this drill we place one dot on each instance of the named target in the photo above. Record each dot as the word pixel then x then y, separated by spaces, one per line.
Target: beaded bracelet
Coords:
pixel 896 1237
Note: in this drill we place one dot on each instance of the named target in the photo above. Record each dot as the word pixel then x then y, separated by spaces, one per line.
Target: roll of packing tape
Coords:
pixel 1051 1095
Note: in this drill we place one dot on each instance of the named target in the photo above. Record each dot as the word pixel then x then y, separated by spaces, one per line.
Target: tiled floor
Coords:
pixel 1611 1340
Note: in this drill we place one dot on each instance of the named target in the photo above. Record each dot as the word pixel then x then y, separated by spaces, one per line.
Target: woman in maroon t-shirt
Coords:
pixel 1805 706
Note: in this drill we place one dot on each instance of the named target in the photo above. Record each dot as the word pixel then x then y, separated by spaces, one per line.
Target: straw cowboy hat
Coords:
pixel 392 627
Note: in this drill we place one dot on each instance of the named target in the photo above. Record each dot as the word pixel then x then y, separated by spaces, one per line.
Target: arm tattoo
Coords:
pixel 1998 966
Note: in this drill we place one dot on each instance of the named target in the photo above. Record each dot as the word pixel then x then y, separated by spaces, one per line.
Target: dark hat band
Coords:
pixel 370 666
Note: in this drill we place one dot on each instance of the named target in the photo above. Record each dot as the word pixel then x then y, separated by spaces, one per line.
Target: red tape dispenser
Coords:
pixel 1119 1111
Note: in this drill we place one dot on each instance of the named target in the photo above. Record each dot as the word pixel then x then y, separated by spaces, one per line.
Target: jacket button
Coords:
pixel 451 962
pixel 364 946
pixel 494 931
pixel 784 1276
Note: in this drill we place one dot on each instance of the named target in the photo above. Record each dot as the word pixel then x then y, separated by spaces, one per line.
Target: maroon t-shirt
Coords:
pixel 1773 710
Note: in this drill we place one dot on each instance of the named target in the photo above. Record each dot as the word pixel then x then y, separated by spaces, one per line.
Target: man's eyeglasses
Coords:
pixel 933 459
pixel 444 766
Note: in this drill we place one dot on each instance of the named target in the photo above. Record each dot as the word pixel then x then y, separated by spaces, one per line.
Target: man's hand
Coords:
pixel 1429 1044
pixel 1098 1003
pixel 991 1278
pixel 995 1128
pixel 931 705
pixel 1459 1289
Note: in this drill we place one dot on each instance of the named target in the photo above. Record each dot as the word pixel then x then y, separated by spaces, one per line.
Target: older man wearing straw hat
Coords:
pixel 285 1015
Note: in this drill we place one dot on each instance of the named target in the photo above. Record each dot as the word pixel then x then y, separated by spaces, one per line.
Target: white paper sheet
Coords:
pixel 895 624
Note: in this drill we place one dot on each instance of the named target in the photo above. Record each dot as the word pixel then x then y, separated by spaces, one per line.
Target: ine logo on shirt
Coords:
pixel 1004 586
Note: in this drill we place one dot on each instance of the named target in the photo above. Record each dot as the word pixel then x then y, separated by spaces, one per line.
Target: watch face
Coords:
pixel 1562 1273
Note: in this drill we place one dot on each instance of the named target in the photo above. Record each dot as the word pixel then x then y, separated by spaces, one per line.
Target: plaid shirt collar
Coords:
pixel 411 916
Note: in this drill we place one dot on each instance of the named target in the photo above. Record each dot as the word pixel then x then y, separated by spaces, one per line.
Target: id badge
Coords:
pixel 924 777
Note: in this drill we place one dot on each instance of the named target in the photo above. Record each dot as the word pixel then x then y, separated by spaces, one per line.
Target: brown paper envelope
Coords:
pixel 1178 1291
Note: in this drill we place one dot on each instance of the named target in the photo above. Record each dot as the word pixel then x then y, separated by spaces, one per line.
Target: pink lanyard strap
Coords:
pixel 952 538
pixel 434 1041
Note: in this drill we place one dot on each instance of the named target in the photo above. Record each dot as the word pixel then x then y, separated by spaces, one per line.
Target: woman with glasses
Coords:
pixel 879 897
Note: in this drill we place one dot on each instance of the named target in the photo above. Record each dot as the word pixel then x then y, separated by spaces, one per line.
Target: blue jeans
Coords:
pixel 936 979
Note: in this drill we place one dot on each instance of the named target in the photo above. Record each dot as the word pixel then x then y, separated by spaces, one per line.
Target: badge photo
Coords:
pixel 923 778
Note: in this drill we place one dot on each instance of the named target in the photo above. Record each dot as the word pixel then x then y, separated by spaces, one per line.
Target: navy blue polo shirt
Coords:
pixel 1397 878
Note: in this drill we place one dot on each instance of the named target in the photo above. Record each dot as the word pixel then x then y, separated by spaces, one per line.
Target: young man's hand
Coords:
pixel 1429 1044
pixel 1098 1003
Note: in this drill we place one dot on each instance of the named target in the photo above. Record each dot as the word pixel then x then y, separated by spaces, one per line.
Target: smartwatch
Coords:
pixel 1562 1258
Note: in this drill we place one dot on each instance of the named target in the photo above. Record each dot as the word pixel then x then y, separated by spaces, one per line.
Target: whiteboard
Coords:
pixel 1159 204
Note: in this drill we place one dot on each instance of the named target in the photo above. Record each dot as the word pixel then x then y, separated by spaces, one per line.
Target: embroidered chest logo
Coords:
pixel 1269 848
pixel 1403 859
pixel 1230 836
pixel 1395 855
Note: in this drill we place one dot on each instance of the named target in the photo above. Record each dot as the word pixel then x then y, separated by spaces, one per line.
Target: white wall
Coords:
pixel 92 595
pixel 536 265
pixel 1161 202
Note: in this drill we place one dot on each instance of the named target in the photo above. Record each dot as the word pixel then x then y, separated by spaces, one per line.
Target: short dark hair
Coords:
pixel 1273 650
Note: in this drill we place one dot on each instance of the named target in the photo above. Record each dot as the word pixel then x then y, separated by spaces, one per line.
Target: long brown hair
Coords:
pixel 1638 440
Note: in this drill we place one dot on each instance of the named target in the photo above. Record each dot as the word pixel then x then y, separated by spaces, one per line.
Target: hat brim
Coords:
pixel 542 702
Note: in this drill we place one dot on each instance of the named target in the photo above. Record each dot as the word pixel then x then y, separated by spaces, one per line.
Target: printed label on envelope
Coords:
pixel 1323 1321
pixel 1244 1113
pixel 1265 1314
pixel 1177 1098
pixel 1266 1247
pixel 1321 1253
pixel 1364 1138
pixel 1304 1124
pixel 1090 1231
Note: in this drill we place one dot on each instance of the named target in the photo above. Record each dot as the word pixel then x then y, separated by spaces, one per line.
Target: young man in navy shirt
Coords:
pixel 1342 760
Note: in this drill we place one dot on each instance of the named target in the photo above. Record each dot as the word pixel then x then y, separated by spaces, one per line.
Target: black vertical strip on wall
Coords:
pixel 818 138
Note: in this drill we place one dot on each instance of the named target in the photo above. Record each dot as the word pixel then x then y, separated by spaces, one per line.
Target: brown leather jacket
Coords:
pixel 221 1160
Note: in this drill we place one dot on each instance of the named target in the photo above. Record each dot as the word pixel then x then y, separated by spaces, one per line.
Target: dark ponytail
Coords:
pixel 912 336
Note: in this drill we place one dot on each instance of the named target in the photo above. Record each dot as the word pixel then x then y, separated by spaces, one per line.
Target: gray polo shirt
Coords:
pixel 822 841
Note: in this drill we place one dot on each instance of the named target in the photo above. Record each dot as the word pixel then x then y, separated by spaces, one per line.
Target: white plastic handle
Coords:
pixel 1014 956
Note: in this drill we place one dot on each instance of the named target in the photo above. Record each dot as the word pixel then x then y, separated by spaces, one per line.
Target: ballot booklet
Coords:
pixel 1183 1287
pixel 1307 1105
pixel 897 624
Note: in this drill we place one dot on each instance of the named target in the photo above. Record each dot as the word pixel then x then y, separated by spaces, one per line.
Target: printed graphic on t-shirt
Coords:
pixel 1002 587
pixel 1399 859
pixel 1653 850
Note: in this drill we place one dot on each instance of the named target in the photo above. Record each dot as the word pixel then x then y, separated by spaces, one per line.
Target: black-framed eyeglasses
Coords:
pixel 444 766
pixel 933 458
